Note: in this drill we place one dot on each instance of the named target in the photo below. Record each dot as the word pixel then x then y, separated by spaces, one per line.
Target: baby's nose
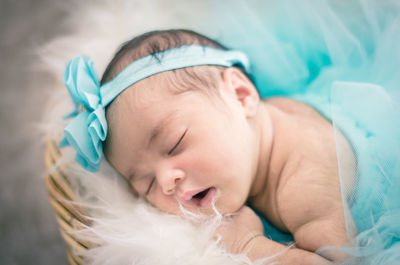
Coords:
pixel 169 180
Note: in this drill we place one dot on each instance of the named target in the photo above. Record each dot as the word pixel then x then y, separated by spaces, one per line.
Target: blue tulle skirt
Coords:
pixel 343 58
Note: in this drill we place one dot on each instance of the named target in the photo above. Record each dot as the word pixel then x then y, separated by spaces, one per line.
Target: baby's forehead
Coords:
pixel 145 98
pixel 203 78
pixel 148 91
pixel 142 100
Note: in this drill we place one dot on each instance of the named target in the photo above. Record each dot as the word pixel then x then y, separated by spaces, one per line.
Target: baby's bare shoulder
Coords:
pixel 308 194
pixel 310 173
pixel 291 106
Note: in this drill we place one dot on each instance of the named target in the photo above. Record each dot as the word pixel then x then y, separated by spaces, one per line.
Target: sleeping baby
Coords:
pixel 178 116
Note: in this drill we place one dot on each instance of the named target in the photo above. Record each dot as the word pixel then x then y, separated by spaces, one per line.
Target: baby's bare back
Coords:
pixel 308 198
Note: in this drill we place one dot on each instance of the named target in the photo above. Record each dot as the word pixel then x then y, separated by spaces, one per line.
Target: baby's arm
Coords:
pixel 244 233
pixel 314 216
pixel 324 231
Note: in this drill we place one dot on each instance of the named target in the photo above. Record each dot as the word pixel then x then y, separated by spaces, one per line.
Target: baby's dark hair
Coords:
pixel 155 41
pixel 151 43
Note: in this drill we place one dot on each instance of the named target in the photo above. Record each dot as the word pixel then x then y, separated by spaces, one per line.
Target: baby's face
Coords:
pixel 186 148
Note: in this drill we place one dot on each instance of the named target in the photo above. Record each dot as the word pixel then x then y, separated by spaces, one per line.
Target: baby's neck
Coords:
pixel 275 131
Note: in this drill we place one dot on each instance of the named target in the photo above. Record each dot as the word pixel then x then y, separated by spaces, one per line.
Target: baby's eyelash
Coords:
pixel 149 188
pixel 177 144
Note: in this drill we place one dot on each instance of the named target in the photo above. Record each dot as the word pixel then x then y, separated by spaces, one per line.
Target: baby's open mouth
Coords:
pixel 201 194
pixel 204 198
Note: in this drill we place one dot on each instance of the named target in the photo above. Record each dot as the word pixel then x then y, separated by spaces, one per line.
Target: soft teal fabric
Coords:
pixel 175 58
pixel 342 58
pixel 88 129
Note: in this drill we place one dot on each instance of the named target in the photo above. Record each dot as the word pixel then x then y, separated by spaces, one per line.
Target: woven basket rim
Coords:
pixel 70 216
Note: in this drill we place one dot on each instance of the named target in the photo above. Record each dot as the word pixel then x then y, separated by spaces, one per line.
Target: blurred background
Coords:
pixel 28 230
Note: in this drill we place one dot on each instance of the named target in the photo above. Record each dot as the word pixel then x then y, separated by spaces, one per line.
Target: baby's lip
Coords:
pixel 203 202
pixel 188 195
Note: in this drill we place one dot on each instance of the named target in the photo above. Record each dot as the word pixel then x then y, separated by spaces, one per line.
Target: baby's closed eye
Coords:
pixel 142 184
pixel 153 178
pixel 178 145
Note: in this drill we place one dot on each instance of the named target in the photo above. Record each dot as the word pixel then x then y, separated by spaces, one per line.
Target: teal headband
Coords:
pixel 88 129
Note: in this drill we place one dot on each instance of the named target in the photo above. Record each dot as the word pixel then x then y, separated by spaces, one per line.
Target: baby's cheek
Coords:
pixel 163 202
pixel 190 161
pixel 139 187
pixel 203 169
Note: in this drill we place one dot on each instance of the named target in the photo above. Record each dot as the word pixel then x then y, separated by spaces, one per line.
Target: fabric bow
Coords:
pixel 88 129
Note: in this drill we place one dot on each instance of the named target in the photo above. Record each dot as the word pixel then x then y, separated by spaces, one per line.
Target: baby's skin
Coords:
pixel 302 191
pixel 192 148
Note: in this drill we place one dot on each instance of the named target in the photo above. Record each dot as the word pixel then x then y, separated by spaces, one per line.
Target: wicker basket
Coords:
pixel 70 217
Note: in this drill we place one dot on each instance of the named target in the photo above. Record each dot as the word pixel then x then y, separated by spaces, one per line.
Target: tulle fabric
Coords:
pixel 343 58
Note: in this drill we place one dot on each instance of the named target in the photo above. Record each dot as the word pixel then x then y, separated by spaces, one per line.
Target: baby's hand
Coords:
pixel 238 231
pixel 243 232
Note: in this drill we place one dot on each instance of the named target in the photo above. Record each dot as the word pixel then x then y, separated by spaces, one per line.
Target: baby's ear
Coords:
pixel 238 85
